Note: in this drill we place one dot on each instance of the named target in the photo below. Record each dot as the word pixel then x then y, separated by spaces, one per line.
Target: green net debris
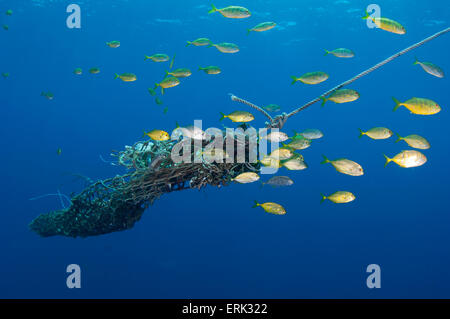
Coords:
pixel 117 203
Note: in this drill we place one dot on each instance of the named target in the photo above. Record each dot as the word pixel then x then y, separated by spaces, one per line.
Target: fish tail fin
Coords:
pixel 248 31
pixel 327 52
pixel 213 9
pixel 176 124
pixel 147 57
pixel 323 198
pixel 323 100
pixel 294 79
pixel 361 133
pixel 416 61
pixel 117 76
pixel 399 138
pixel 388 160
pixel 200 68
pixel 144 133
pixel 397 104
pixel 366 16
pixel 325 160
pixel 223 116
pixel 256 204
pixel 42 93
pixel 188 43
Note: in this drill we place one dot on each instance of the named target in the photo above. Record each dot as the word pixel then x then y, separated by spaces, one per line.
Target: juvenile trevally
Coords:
pixel 345 166
pixel 295 163
pixel 282 153
pixel 311 78
pixel 430 68
pixel 9 12
pixel 234 12
pixel 126 77
pixel 214 155
pixel 419 106
pixel 264 26
pixel 341 53
pixel 279 181
pixel 377 133
pixel 272 208
pixel 341 96
pixel 113 44
pixel 407 159
pixel 226 47
pixel 159 57
pixel 245 178
pixel 276 137
pixel 168 82
pixel 158 101
pixel 199 42
pixel 299 143
pixel 210 69
pixel 180 73
pixel 94 70
pixel 272 108
pixel 268 161
pixel 5 74
pixel 78 71
pixel 238 116
pixel 386 24
pixel 311 134
pixel 415 141
pixel 340 197
pixel 158 135
pixel 151 91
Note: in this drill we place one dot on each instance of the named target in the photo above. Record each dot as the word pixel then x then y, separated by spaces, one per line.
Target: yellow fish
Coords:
pixel 239 116
pixel 180 73
pixel 168 82
pixel 415 141
pixel 272 208
pixel 296 163
pixel 311 78
pixel 345 166
pixel 407 159
pixel 126 77
pixel 158 135
pixel 386 24
pixel 419 106
pixel 233 12
pixel 340 197
pixel 248 177
pixel 377 133
pixel 282 153
pixel 270 162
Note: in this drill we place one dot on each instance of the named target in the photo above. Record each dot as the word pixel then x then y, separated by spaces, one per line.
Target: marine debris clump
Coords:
pixel 117 203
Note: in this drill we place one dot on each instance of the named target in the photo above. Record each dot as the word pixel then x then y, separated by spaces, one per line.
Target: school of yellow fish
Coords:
pixel 286 155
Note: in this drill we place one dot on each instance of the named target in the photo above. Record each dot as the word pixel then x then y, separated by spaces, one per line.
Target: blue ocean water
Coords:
pixel 211 243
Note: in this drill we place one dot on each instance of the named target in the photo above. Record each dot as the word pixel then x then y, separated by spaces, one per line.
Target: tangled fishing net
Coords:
pixel 117 203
